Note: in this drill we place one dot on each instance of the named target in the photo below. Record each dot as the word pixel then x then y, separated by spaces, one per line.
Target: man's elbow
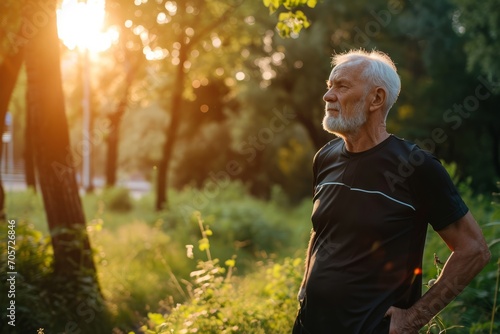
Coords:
pixel 483 255
pixel 486 255
pixel 478 256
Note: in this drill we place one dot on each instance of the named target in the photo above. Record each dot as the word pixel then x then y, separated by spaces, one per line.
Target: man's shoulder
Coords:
pixel 408 149
pixel 418 161
pixel 334 144
pixel 396 148
pixel 403 144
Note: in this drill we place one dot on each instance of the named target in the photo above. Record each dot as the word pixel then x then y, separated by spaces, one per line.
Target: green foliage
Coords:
pixel 145 268
pixel 239 221
pixel 25 204
pixel 288 4
pixel 471 311
pixel 141 255
pixel 42 299
pixel 138 265
pixel 262 302
pixel 290 22
pixel 32 263
pixel 479 23
pixel 117 199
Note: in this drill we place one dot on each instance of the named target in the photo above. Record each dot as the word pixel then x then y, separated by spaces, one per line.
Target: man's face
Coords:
pixel 346 109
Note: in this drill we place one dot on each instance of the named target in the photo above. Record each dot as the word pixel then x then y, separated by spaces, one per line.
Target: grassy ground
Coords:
pixel 145 271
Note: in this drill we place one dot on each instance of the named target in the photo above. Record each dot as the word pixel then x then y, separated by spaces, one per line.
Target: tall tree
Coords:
pixel 131 64
pixel 48 124
pixel 74 267
pixel 182 32
pixel 9 70
pixel 28 153
pixel 479 24
pixel 190 31
pixel 11 59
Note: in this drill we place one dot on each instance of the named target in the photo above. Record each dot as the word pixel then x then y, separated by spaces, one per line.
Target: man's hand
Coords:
pixel 402 321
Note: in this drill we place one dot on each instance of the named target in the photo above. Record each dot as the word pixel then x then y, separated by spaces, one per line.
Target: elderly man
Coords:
pixel 374 195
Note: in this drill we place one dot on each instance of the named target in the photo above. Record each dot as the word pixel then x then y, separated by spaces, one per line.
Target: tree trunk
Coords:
pixel 171 131
pixel 65 217
pixel 112 141
pixel 9 71
pixel 29 164
pixel 87 119
pixel 113 138
pixel 176 102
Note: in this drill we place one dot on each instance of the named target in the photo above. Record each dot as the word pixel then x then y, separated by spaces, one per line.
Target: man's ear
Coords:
pixel 378 99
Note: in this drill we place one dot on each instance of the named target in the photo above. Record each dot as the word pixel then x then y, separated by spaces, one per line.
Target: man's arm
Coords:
pixel 302 290
pixel 469 256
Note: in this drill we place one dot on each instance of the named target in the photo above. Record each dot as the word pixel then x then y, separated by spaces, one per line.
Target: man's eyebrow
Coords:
pixel 336 81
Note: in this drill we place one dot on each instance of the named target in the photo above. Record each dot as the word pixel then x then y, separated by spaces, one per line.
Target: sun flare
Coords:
pixel 80 25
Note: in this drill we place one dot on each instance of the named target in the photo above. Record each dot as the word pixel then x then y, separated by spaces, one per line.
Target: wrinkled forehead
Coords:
pixel 351 70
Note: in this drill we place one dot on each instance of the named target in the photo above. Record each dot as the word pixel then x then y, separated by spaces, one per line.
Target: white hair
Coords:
pixel 379 70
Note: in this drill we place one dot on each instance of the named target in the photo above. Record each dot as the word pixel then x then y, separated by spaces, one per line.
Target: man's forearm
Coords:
pixel 307 260
pixel 470 254
pixel 457 273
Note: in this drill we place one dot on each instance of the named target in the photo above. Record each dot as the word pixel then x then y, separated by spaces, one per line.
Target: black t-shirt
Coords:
pixel 370 216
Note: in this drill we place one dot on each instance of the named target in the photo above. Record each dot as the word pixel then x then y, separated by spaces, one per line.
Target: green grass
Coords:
pixel 144 270
pixel 141 254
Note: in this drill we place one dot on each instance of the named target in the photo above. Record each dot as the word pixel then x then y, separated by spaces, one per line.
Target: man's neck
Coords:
pixel 363 141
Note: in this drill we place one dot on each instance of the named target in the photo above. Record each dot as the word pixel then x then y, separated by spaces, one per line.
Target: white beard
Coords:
pixel 339 125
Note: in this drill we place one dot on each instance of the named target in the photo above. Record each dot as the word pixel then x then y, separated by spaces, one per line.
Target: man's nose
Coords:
pixel 330 96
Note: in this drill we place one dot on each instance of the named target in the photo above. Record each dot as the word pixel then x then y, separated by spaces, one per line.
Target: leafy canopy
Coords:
pixel 291 21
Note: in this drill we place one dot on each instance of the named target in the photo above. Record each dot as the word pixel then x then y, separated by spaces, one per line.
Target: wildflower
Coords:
pixel 189 251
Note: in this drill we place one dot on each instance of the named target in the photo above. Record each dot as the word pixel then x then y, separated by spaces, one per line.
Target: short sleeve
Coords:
pixel 437 198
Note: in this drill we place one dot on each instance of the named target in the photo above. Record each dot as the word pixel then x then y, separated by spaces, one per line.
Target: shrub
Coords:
pixel 117 199
pixel 261 302
pixel 43 300
pixel 136 265
pixel 32 264
pixel 243 221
